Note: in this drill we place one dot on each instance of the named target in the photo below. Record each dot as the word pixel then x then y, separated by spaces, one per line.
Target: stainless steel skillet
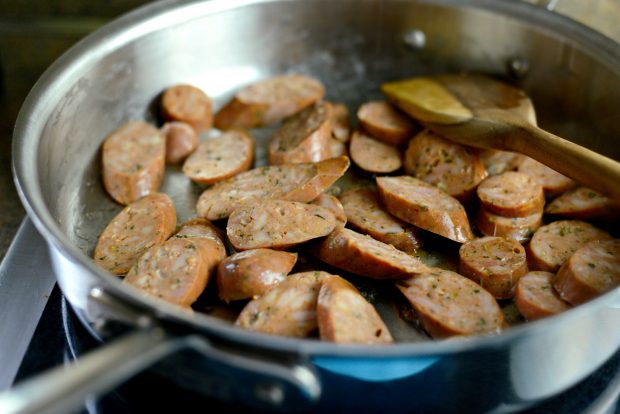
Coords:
pixel 117 73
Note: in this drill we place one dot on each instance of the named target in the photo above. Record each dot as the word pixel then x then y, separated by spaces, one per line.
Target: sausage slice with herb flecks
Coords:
pixel 554 243
pixel 288 309
pixel 139 226
pixel 295 182
pixel 277 224
pixel 450 304
pixel 425 206
pixel 251 273
pixel 345 317
pixel 365 256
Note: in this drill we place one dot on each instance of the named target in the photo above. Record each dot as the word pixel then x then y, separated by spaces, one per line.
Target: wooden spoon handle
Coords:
pixel 579 163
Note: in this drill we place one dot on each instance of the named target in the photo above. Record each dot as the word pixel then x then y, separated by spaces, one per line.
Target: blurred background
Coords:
pixel 33 33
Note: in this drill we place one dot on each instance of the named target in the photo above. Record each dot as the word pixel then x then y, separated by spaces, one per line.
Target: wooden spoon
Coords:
pixel 482 112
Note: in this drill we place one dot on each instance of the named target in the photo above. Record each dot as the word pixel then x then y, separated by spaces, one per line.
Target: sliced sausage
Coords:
pixel 133 161
pixel 303 137
pixel 373 155
pixel 219 158
pixel 449 304
pixel 494 263
pixel 142 224
pixel 553 182
pixel 295 182
pixel 384 122
pixel 345 317
pixel 277 224
pixel 251 273
pixel 181 140
pixel 365 256
pixel 519 229
pixel 269 101
pixel 584 204
pixel 497 161
pixel 425 206
pixel 511 194
pixel 591 271
pixel 334 205
pixel 341 128
pixel 454 168
pixel 536 298
pixel 366 214
pixel 189 104
pixel 176 271
pixel 200 228
pixel 288 309
pixel 554 243
pixel 337 148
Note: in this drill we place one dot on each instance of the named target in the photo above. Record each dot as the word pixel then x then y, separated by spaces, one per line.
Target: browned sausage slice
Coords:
pixel 425 206
pixel 181 140
pixel 365 256
pixel 583 203
pixel 341 129
pixel 140 225
pixel 591 271
pixel 451 167
pixel 497 162
pixel 519 229
pixel 253 272
pixel 295 182
pixel 511 194
pixel 554 243
pixel 373 155
pixel 176 271
pixel 494 263
pixel 133 161
pixel 384 122
pixel 449 304
pixel 304 137
pixel 189 104
pixel 288 309
pixel 277 224
pixel 366 214
pixel 200 228
pixel 337 148
pixel 345 317
pixel 334 205
pixel 219 158
pixel 269 101
pixel 536 298
pixel 553 182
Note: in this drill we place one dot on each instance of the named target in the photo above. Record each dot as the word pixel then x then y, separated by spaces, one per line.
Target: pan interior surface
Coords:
pixel 352 46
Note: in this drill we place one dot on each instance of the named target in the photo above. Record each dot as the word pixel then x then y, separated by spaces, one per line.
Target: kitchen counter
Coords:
pixel 33 34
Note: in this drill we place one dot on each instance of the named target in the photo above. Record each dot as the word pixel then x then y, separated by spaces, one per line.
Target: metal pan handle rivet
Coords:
pixel 270 392
pixel 415 39
pixel 518 67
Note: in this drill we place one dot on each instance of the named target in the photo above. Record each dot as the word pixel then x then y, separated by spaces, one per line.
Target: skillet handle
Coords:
pixel 259 382
pixel 62 389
